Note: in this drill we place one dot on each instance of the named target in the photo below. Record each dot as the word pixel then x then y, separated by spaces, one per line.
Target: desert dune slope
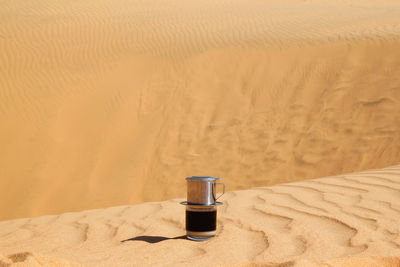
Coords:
pixel 344 220
pixel 106 103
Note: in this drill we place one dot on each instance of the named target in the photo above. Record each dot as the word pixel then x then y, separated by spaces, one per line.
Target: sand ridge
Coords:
pixel 341 220
pixel 111 103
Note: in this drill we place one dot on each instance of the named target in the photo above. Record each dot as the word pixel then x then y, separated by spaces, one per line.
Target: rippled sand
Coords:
pixel 345 220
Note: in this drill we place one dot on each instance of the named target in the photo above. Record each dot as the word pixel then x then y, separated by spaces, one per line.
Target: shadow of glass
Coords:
pixel 153 239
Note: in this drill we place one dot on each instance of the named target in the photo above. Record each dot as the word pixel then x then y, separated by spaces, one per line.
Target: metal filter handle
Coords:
pixel 223 190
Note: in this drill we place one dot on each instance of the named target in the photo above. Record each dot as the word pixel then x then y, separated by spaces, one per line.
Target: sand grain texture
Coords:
pixel 346 220
pixel 106 103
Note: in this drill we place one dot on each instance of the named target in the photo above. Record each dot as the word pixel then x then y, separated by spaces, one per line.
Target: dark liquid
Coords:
pixel 201 221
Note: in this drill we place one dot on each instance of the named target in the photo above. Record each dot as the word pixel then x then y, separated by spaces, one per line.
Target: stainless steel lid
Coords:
pixel 203 178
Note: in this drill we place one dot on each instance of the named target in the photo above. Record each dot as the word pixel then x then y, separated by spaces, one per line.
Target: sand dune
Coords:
pixel 346 220
pixel 106 103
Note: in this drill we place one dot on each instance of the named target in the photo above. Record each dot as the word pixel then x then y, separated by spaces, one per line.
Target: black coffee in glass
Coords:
pixel 201 222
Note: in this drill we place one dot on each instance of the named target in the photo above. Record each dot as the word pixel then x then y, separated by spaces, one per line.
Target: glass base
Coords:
pixel 200 236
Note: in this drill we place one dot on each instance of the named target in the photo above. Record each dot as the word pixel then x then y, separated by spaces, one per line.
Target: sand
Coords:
pixel 106 103
pixel 345 220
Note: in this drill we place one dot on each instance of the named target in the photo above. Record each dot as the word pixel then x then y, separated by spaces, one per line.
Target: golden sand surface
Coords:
pixel 346 220
pixel 106 103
